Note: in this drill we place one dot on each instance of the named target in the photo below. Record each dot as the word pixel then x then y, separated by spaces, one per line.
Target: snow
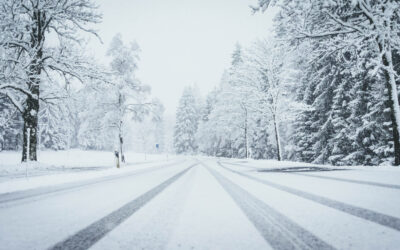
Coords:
pixel 274 164
pixel 335 227
pixel 266 163
pixel 350 193
pixel 176 220
pixel 324 100
pixel 74 158
pixel 198 210
pixel 387 175
pixel 60 167
pixel 53 218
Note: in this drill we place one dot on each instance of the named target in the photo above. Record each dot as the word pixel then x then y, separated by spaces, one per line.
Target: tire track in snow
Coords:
pixel 153 226
pixel 88 236
pixel 241 165
pixel 41 191
pixel 363 213
pixel 293 169
pixel 278 230
pixel 60 170
pixel 370 183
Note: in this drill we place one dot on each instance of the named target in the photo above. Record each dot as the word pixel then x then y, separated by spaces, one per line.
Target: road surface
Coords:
pixel 207 203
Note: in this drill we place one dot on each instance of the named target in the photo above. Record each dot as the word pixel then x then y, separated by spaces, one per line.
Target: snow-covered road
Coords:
pixel 206 203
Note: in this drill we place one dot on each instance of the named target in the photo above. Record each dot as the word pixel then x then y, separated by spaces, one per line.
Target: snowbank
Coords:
pixel 59 167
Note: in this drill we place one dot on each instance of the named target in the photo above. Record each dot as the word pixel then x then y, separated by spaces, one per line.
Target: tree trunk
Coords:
pixel 31 111
pixel 246 139
pixel 277 138
pixel 30 129
pixel 121 141
pixel 393 103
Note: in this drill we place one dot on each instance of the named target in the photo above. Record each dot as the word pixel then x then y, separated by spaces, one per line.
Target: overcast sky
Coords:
pixel 183 42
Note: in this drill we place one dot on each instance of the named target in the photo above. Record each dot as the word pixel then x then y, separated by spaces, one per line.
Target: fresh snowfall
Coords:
pixel 229 124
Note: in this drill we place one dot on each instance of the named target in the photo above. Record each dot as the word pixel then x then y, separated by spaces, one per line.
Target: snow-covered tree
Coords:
pixel 207 141
pixel 186 124
pixel 350 28
pixel 265 76
pixel 130 96
pixel 229 122
pixel 115 101
pixel 95 127
pixel 10 125
pixel 159 128
pixel 55 129
pixel 370 134
pixel 27 59
pixel 262 146
pixel 247 107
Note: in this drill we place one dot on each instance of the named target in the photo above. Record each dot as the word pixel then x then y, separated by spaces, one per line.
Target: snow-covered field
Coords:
pixel 57 167
pixel 74 158
pixel 197 203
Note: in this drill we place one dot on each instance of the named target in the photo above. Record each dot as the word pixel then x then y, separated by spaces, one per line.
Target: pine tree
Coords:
pixel 207 140
pixel 10 125
pixel 55 129
pixel 261 145
pixel 369 123
pixel 341 142
pixel 344 27
pixel 186 125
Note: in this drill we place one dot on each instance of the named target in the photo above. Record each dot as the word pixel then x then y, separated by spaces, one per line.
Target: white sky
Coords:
pixel 183 42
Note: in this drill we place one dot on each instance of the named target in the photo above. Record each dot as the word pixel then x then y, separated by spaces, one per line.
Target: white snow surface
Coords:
pixel 197 210
pixel 59 167
pixel 340 229
pixel 177 220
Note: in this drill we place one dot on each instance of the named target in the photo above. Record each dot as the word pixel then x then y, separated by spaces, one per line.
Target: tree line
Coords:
pixel 324 89
pixel 52 94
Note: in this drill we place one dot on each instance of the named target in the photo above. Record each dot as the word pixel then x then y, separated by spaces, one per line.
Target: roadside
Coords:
pixel 60 167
